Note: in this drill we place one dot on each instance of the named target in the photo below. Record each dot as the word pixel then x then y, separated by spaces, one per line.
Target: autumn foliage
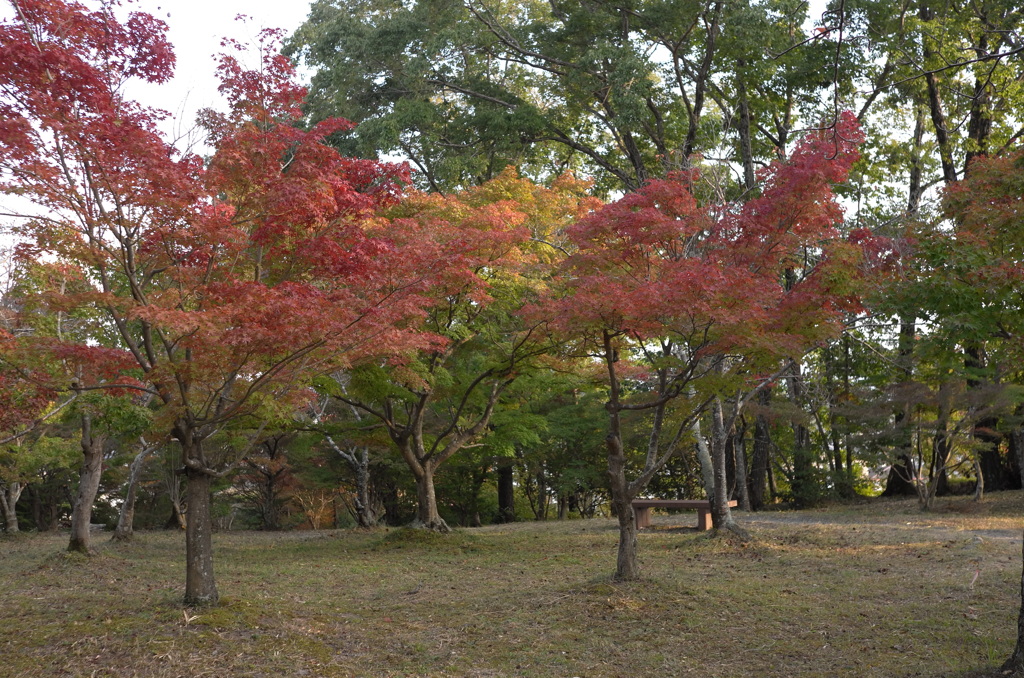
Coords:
pixel 657 261
pixel 227 283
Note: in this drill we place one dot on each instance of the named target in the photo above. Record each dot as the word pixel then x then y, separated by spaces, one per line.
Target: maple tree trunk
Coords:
pixel 88 486
pixel 627 566
pixel 200 586
pixel 427 516
pixel 1015 663
pixel 8 502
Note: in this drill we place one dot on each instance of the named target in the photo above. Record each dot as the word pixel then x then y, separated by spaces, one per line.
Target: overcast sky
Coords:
pixel 195 28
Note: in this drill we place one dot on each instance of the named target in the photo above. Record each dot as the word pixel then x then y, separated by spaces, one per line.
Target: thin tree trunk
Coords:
pixel 707 468
pixel 506 492
pixel 805 489
pixel 1017 443
pixel 542 494
pixel 743 128
pixel 358 459
pixel 721 515
pixel 126 517
pixel 759 466
pixel 979 487
pixel 88 486
pixel 627 566
pixel 937 109
pixel 366 506
pixel 9 495
pixel 200 585
pixel 740 449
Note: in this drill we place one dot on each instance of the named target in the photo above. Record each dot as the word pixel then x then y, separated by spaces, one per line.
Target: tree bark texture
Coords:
pixel 742 488
pixel 1015 663
pixel 627 565
pixel 721 515
pixel 900 482
pixel 804 486
pixel 88 486
pixel 1017 447
pixel 126 516
pixel 200 585
pixel 9 495
pixel 762 451
pixel 707 467
pixel 990 463
pixel 426 512
pixel 367 514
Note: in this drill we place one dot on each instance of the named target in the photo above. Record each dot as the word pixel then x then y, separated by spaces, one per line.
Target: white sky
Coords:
pixel 195 29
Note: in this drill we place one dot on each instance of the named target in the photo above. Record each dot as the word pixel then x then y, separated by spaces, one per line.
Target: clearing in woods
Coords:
pixel 875 589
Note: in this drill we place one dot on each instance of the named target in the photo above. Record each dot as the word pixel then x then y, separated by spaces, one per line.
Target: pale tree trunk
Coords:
pixel 979 488
pixel 9 495
pixel 172 481
pixel 200 585
pixel 88 486
pixel 367 514
pixel 721 515
pixel 707 469
pixel 424 461
pixel 1015 664
pixel 126 517
pixel 358 459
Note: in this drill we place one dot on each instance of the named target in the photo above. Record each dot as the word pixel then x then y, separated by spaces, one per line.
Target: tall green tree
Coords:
pixel 621 91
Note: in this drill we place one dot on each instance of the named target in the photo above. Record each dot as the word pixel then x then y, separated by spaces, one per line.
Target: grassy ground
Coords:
pixel 878 589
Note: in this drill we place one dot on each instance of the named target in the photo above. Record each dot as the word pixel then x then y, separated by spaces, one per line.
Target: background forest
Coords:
pixel 511 261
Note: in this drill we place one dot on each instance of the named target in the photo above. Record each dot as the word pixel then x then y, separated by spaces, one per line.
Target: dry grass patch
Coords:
pixel 875 589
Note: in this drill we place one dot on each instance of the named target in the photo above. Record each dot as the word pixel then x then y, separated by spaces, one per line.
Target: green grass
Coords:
pixel 874 589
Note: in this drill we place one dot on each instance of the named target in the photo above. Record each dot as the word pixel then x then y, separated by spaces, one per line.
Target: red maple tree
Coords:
pixel 226 283
pixel 692 306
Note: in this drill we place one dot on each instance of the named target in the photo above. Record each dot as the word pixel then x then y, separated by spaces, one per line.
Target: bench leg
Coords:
pixel 642 516
pixel 703 519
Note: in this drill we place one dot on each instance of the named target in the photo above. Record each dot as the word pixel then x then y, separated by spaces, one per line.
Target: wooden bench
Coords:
pixel 642 510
